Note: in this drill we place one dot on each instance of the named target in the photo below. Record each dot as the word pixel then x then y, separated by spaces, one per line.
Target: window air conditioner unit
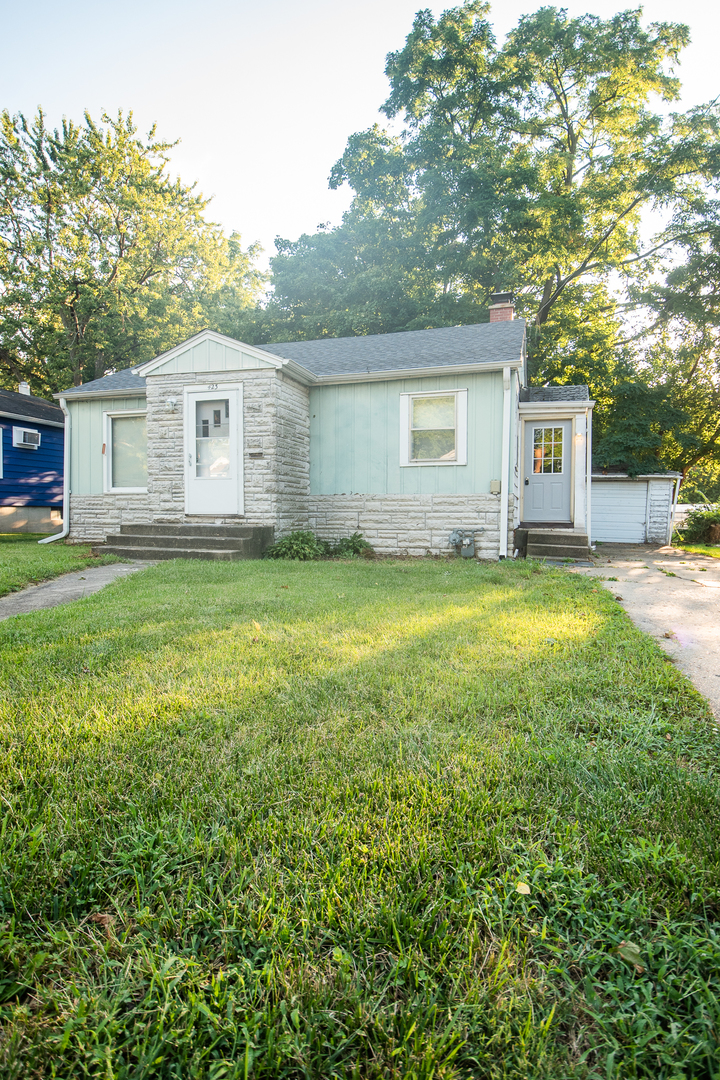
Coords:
pixel 26 438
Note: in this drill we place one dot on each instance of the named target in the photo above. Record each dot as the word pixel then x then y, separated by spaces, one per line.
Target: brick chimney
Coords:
pixel 502 307
pixel 24 388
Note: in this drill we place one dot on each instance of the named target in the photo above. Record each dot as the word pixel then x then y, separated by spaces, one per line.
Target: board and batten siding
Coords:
pixel 355 438
pixel 210 355
pixel 627 511
pixel 86 457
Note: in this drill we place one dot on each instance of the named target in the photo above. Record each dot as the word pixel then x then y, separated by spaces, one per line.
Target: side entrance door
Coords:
pixel 546 487
pixel 213 451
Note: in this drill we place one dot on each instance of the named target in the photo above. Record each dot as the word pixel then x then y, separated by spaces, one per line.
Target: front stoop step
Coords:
pixel 219 542
pixel 557 545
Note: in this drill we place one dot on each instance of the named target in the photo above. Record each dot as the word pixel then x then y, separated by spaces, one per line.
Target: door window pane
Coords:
pixel 432 428
pixel 129 452
pixel 547 450
pixel 212 439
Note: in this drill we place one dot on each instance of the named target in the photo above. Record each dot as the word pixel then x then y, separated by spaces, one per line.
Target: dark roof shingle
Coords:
pixel 119 380
pixel 555 393
pixel 17 405
pixel 448 346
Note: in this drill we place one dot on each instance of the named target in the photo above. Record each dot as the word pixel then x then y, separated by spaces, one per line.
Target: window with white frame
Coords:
pixel 126 452
pixel 433 428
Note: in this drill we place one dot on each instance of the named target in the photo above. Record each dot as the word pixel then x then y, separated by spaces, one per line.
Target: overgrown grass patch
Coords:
pixel 270 819
pixel 25 562
pixel 713 550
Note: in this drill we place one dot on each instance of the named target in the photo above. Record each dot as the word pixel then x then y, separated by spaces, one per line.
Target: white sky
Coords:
pixel 263 96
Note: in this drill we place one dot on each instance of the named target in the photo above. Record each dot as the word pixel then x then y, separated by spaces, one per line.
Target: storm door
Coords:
pixel 213 452
pixel 546 489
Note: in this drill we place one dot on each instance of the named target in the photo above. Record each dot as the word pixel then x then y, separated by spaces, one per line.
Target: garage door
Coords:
pixel 618 511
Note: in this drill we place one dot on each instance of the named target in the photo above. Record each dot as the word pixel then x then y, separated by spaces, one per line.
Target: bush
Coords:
pixel 697 527
pixel 302 544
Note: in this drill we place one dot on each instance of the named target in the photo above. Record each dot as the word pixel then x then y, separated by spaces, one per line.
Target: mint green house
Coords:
pixel 404 437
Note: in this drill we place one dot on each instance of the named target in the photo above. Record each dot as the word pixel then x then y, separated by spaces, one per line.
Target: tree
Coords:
pixel 104 260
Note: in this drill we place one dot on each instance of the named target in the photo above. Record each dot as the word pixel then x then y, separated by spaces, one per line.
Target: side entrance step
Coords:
pixel 557 544
pixel 219 542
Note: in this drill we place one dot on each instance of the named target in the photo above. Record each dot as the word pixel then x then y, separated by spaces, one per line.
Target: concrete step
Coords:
pixel 557 551
pixel 131 552
pixel 558 536
pixel 250 547
pixel 265 533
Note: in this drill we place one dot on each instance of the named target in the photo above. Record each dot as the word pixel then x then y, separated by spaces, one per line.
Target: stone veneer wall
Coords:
pixel 411 524
pixel 276 484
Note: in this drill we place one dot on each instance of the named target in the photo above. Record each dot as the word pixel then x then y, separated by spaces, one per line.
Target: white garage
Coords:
pixel 633 510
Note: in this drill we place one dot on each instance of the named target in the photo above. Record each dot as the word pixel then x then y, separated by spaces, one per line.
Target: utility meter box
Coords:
pixel 495 487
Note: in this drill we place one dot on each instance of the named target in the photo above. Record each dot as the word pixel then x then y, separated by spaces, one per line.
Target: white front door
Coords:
pixel 546 488
pixel 213 451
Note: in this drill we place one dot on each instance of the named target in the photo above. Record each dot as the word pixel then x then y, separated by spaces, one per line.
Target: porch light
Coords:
pixel 171 404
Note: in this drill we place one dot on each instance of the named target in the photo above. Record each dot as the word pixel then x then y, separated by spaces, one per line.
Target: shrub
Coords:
pixel 352 545
pixel 697 527
pixel 301 544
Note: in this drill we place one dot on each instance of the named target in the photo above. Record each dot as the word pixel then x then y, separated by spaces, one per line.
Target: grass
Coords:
pixel 699 549
pixel 284 820
pixel 25 562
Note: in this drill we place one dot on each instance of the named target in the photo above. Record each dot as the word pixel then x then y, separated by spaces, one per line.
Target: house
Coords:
pixel 31 462
pixel 405 437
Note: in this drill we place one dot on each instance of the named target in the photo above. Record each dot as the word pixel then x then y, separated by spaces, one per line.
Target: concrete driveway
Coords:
pixel 673 596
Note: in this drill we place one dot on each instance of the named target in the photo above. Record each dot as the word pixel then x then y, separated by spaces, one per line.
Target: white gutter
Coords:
pixel 66 481
pixel 505 467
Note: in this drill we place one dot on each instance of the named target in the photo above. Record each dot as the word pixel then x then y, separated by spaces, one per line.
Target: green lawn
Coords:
pixel 700 549
pixel 369 820
pixel 25 562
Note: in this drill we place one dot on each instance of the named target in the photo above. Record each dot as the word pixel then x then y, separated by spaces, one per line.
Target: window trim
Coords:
pixel 108 418
pixel 461 396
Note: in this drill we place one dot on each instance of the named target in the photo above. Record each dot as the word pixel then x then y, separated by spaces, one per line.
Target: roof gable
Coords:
pixel 208 351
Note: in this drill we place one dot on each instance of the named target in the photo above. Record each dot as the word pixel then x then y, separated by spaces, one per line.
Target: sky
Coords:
pixel 263 96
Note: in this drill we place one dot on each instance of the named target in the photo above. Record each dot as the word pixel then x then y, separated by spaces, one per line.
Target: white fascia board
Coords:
pixel 415 373
pixel 561 410
pixel 640 476
pixel 139 391
pixel 31 419
pixel 207 335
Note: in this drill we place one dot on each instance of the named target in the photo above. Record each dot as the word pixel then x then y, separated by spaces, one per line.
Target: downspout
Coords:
pixel 66 481
pixel 505 467
pixel 588 485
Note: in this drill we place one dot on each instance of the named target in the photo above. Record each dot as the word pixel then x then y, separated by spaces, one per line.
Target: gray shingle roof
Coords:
pixel 120 380
pixel 448 346
pixel 555 393
pixel 12 405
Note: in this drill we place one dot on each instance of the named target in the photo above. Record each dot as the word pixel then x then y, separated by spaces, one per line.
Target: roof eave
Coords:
pixel 138 391
pixel 419 373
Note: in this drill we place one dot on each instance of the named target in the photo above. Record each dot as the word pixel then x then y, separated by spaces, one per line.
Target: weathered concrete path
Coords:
pixel 673 596
pixel 67 587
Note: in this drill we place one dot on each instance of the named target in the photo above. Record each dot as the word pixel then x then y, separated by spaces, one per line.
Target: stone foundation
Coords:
pixel 411 524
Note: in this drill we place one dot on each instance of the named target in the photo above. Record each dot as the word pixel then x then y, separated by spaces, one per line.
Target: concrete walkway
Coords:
pixel 673 596
pixel 67 587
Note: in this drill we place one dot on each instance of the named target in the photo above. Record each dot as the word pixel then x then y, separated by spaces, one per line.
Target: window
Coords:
pixel 433 428
pixel 126 452
pixel 547 450
pixel 212 438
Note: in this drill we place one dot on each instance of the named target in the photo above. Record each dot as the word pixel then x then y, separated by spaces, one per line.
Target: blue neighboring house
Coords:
pixel 32 434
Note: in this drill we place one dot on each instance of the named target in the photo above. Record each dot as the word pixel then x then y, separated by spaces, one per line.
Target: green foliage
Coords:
pixel 303 544
pixel 104 260
pixel 269 820
pixel 634 428
pixel 300 544
pixel 696 526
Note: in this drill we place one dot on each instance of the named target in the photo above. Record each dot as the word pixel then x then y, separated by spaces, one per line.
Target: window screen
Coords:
pixel 433 428
pixel 129 452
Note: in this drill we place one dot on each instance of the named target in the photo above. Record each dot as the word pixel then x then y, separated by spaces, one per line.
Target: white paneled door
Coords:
pixel 213 451
pixel 546 489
